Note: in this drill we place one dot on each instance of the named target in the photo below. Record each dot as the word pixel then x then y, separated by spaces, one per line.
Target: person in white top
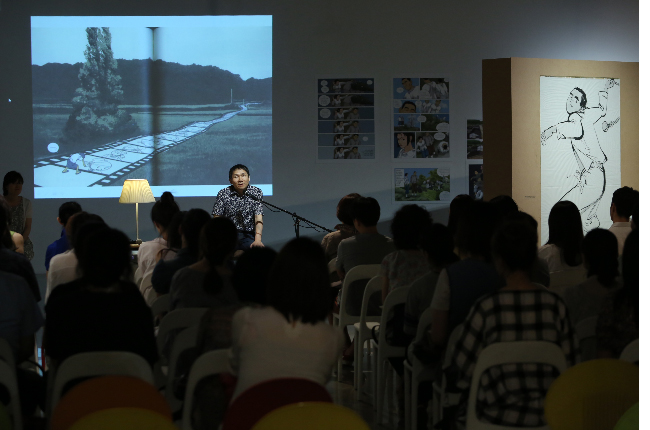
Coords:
pixel 562 251
pixel 405 143
pixel 623 202
pixel 289 339
pixel 339 126
pixel 63 267
pixel 162 213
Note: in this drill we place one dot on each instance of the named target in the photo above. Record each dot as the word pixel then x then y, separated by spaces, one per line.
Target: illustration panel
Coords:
pixel 421 184
pixel 474 139
pixel 475 175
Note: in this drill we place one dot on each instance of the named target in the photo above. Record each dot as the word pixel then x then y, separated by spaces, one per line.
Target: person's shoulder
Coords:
pixel 8 278
pixel 224 191
pixel 255 191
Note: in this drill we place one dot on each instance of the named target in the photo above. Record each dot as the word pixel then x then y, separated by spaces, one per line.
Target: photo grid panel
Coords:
pixel 475 175
pixel 346 119
pixel 421 184
pixel 420 118
pixel 474 139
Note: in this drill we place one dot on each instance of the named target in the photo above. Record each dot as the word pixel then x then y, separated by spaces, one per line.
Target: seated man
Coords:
pixel 59 246
pixel 623 202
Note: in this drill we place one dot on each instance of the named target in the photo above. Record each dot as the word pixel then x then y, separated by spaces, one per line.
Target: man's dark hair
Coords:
pixel 79 220
pixel 237 167
pixel 355 147
pixel 407 226
pixel 408 79
pixel 299 286
pixel 366 210
pixel 565 231
pixel 600 251
pixel 344 209
pixel 515 244
pixel 624 199
pixel 504 206
pixel 583 98
pixel 250 276
pixel 217 243
pixel 436 240
pixel 475 227
pixel 191 227
pixel 457 207
pixel 11 178
pixel 105 256
pixel 66 210
pixel 408 103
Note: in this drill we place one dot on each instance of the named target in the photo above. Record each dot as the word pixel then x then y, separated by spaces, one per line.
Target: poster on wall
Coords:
pixel 580 146
pixel 420 118
pixel 474 139
pixel 475 175
pixel 346 119
pixel 421 184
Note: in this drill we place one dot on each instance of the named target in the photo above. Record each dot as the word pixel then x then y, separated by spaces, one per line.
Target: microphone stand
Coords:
pixel 296 218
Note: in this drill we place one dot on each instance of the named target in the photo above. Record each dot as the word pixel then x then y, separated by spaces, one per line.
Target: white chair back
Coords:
pixel 161 305
pixel 210 363
pixel 176 319
pixel 508 353
pixel 184 341
pixel 363 330
pixel 560 281
pixel 631 352
pixel 98 363
pixel 586 333
pixel 8 380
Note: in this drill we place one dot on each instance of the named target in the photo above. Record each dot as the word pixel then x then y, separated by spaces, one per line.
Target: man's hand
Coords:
pixel 548 133
pixel 257 244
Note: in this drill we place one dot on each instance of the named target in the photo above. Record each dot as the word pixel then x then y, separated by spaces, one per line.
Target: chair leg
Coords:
pixel 414 404
pixel 407 398
pixel 381 386
pixel 358 363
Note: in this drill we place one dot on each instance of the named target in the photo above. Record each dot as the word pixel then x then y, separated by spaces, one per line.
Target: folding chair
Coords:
pixel 184 341
pixel 631 352
pixel 363 332
pixel 416 373
pixel 586 333
pixel 441 398
pixel 8 380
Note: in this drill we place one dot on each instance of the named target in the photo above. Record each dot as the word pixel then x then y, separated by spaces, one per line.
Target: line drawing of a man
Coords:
pixel 580 129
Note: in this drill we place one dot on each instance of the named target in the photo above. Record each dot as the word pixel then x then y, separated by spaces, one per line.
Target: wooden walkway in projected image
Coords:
pixel 108 162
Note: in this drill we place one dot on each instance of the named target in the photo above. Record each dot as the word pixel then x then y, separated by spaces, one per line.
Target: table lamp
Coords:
pixel 136 191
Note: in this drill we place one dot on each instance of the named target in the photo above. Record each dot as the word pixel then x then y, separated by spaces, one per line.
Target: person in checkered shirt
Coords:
pixel 513 394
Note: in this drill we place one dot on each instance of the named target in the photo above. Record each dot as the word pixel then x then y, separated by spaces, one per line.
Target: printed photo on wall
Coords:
pixel 474 139
pixel 475 175
pixel 421 184
pixel 420 118
pixel 580 146
pixel 346 119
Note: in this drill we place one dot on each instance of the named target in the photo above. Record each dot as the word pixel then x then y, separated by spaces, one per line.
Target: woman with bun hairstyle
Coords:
pixel 162 213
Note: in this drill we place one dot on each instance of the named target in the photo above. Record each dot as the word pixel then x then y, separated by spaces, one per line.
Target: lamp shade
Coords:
pixel 136 191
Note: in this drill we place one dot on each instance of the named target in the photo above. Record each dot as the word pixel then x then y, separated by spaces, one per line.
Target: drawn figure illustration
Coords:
pixel 73 160
pixel 580 130
pixel 118 154
pixel 99 165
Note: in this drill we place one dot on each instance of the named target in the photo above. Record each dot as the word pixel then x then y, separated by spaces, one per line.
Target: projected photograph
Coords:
pixel 174 100
pixel 474 139
pixel 580 146
pixel 475 174
pixel 421 184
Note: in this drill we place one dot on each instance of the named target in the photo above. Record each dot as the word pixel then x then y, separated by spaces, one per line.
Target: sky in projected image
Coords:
pixel 170 117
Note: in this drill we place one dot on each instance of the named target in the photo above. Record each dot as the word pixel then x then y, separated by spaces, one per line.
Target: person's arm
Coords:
pixel 259 226
pixel 19 242
pixel 28 228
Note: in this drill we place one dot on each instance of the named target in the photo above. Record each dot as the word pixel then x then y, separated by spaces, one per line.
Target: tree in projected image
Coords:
pixel 95 105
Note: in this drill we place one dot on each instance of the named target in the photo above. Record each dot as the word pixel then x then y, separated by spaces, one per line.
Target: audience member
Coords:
pixel 462 283
pixel 618 320
pixel 457 207
pixel 344 230
pixel 290 339
pixel 103 310
pixel 600 257
pixel 624 201
pixel 562 251
pixel 59 246
pixel 190 230
pixel 437 243
pixel 512 395
pixel 63 267
pixel 174 238
pixel 408 263
pixel 21 210
pixel 207 282
pixel 162 213
pixel 15 263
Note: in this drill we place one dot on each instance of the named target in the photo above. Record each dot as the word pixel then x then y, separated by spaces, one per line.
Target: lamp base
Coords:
pixel 136 242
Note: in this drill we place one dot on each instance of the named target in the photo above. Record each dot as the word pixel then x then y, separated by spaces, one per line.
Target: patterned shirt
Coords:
pixel 241 210
pixel 513 394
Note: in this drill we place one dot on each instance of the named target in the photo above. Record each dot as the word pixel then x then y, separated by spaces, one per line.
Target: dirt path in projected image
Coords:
pixel 106 164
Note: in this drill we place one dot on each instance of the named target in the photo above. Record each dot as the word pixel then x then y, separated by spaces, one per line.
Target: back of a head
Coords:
pixel 299 286
pixel 600 251
pixel 625 199
pixel 514 245
pixel 344 209
pixel 504 206
pixel 77 221
pixel 191 227
pixel 565 230
pixel 174 238
pixel 366 210
pixel 457 207
pixel 407 226
pixel 630 268
pixel 217 243
pixel 436 240
pixel 164 209
pixel 475 228
pixel 250 277
pixel 66 210
pixel 106 257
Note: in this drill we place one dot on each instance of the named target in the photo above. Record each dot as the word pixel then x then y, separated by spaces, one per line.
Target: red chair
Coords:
pixel 107 392
pixel 260 399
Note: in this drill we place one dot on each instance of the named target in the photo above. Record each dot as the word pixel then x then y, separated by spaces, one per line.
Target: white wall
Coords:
pixel 362 38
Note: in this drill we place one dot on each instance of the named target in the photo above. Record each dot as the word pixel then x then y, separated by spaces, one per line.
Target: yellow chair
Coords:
pixel 312 416
pixel 124 419
pixel 592 395
pixel 629 420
